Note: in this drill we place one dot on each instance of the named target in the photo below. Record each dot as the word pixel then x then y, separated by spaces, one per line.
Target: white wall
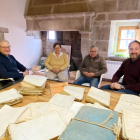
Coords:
pixel 26 49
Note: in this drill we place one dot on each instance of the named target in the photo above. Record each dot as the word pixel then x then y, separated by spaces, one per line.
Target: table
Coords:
pixel 47 96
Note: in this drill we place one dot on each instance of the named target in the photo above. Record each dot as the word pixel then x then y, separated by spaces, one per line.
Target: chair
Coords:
pixel 78 74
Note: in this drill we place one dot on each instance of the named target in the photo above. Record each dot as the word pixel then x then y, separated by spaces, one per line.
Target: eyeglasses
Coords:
pixel 93 51
pixel 8 47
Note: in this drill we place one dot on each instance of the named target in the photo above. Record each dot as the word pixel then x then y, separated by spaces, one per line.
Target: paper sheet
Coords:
pixel 9 115
pixel 42 128
pixel 131 125
pixel 64 101
pixel 128 102
pixel 77 92
pixel 100 95
pixel 9 95
pixel 35 80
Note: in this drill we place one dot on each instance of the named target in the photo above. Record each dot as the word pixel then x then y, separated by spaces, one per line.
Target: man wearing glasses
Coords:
pixel 9 66
pixel 91 68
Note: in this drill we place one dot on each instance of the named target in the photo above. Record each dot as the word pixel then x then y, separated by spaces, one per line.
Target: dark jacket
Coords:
pixel 131 72
pixel 96 66
pixel 9 67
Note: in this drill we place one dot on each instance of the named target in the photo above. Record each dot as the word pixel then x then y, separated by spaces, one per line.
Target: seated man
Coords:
pixel 91 68
pixel 130 69
pixel 9 66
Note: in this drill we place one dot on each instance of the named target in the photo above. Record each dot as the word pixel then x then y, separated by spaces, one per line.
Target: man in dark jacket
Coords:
pixel 9 66
pixel 130 69
pixel 91 68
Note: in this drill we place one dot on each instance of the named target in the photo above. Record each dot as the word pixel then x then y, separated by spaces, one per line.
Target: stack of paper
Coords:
pixel 77 92
pixel 57 88
pixel 8 115
pixel 64 101
pixel 131 125
pixel 83 126
pixel 128 102
pixel 42 128
pixel 33 85
pixel 97 95
pixel 10 97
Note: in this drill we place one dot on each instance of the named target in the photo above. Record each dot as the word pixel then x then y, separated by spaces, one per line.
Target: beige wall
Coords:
pixel 26 49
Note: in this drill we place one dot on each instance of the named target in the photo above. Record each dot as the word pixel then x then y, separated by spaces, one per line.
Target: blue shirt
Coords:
pixel 9 67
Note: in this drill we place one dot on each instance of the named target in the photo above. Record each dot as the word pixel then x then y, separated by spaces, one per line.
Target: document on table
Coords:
pixel 128 102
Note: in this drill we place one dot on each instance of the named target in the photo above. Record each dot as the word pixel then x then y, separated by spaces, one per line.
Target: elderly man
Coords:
pixel 130 69
pixel 91 68
pixel 9 66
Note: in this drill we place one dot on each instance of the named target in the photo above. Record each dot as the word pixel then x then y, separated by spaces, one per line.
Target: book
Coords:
pixel 64 101
pixel 77 92
pixel 128 102
pixel 9 115
pixel 10 97
pixel 97 95
pixel 83 125
pixel 33 85
pixel 42 128
pixel 131 125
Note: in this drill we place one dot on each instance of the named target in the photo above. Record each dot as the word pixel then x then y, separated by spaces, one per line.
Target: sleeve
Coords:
pixel 66 62
pixel 118 74
pixel 134 87
pixel 81 66
pixel 47 61
pixel 4 74
pixel 103 68
pixel 19 65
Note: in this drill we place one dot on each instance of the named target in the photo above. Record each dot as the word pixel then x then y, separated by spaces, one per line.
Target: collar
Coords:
pixel 4 55
pixel 59 54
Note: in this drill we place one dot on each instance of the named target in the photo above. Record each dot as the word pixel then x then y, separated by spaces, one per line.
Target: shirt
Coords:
pixel 131 71
pixel 9 67
pixel 95 65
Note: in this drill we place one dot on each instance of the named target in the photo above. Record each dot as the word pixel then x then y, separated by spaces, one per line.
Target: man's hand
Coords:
pixel 26 72
pixel 112 85
pixel 53 70
pixel 86 74
pixel 117 85
pixel 91 74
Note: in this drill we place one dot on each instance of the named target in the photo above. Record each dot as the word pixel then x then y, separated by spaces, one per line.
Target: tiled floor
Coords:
pixel 72 76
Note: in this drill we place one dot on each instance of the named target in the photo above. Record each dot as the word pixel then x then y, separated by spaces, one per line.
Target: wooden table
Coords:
pixel 47 96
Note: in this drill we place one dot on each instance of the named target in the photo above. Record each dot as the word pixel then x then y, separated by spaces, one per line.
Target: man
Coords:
pixel 91 68
pixel 9 66
pixel 130 69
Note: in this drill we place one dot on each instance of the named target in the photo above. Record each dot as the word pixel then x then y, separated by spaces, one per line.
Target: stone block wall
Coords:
pixel 105 11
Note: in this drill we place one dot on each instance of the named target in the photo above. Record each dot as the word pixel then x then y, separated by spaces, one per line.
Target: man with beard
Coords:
pixel 130 69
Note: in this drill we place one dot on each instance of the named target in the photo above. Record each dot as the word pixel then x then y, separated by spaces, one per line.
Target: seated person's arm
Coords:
pixel 103 68
pixel 4 74
pixel 65 64
pixel 47 61
pixel 20 66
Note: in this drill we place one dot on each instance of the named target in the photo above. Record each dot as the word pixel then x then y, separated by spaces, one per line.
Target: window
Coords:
pixel 52 35
pixel 125 36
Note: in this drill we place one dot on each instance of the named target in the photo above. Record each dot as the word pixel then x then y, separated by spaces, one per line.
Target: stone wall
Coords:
pixel 105 11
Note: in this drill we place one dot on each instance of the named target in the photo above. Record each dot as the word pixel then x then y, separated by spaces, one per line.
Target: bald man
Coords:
pixel 9 66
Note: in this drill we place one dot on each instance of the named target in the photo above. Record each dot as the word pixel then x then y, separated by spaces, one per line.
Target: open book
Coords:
pixel 97 95
pixel 43 128
pixel 77 92
pixel 128 102
pixel 9 115
pixel 10 97
pixel 131 125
